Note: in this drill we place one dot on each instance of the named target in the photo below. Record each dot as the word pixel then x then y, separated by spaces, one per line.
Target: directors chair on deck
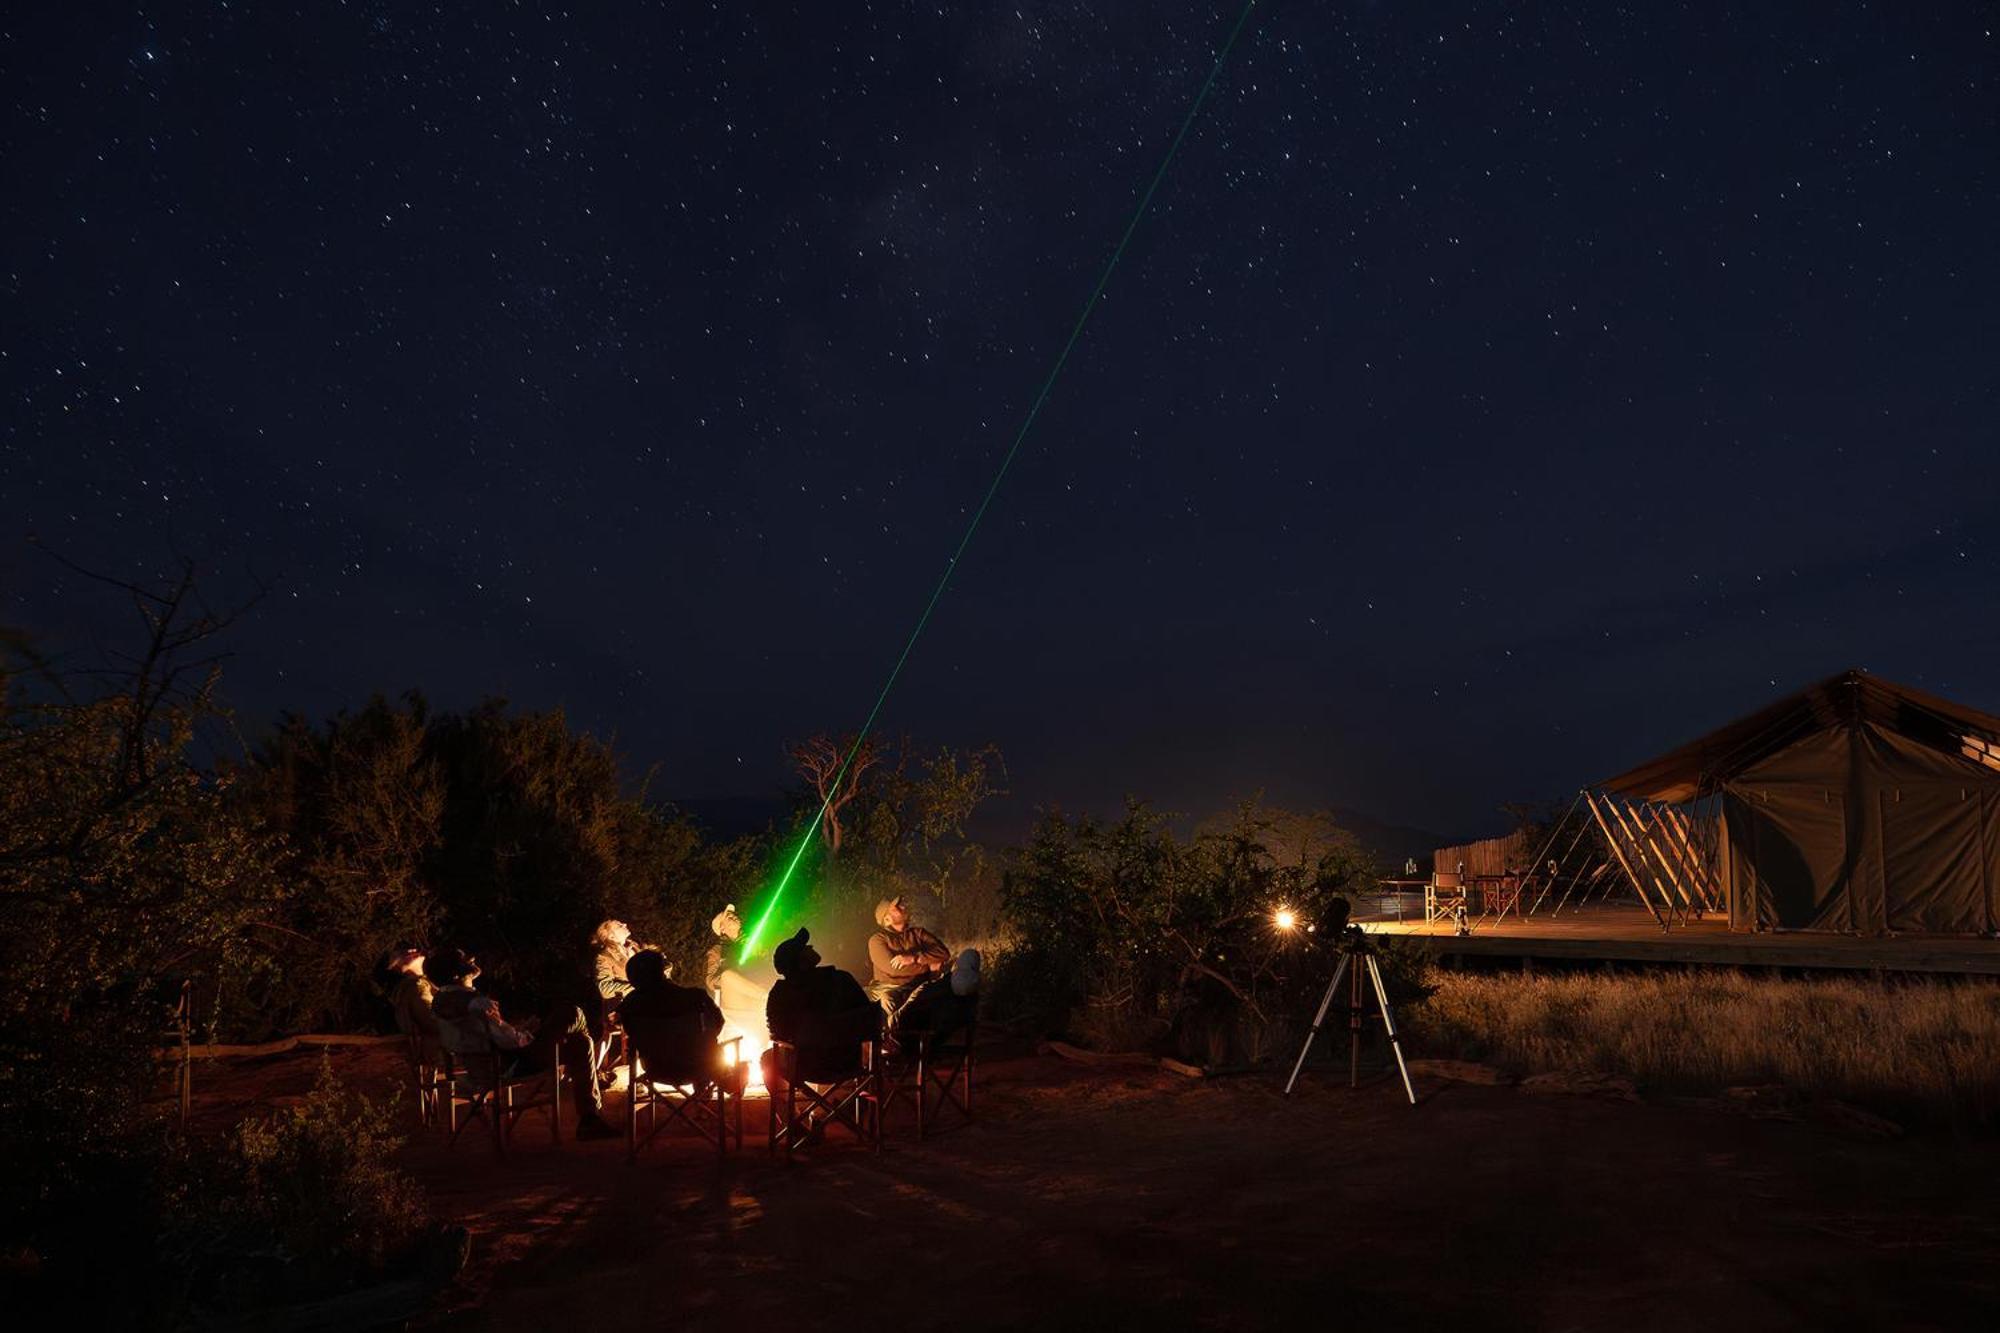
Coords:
pixel 1445 896
pixel 694 1092
pixel 844 1089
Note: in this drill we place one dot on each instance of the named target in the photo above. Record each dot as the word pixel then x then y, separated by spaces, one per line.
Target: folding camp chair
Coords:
pixel 696 1097
pixel 474 1087
pixel 426 1063
pixel 817 1093
pixel 935 1074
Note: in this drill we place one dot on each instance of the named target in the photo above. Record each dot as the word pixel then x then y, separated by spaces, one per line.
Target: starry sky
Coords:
pixel 1495 395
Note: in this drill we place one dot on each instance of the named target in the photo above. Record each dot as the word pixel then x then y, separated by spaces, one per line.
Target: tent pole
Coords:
pixel 1618 851
pixel 1681 843
pixel 1659 847
pixel 1535 866
pixel 1641 841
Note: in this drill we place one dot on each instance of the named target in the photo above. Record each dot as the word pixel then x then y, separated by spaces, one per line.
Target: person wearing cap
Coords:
pixel 902 956
pixel 821 1011
pixel 741 1000
pixel 672 1027
pixel 916 981
pixel 410 994
pixel 727 928
pixel 471 1024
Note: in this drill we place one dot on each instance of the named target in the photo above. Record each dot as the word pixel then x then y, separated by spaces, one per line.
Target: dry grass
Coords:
pixel 1924 1048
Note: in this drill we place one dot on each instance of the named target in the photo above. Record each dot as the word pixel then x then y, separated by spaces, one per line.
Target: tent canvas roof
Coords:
pixel 1851 697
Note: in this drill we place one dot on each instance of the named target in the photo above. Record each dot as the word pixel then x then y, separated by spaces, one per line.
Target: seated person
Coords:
pixel 727 928
pixel 741 1000
pixel 410 994
pixel 821 1011
pixel 673 1028
pixel 470 1024
pixel 612 947
pixel 919 985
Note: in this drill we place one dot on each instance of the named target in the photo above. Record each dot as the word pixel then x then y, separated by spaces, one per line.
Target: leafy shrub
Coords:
pixel 1127 934
pixel 317 1179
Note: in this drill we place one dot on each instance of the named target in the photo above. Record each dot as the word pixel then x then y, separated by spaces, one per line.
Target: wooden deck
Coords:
pixel 1617 933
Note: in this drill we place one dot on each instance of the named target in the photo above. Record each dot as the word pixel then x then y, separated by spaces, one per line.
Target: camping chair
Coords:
pixel 473 1087
pixel 1445 895
pixel 426 1062
pixel 846 1091
pixel 1500 893
pixel 934 1073
pixel 696 1096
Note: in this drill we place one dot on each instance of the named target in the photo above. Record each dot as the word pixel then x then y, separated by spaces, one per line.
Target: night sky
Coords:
pixel 1495 396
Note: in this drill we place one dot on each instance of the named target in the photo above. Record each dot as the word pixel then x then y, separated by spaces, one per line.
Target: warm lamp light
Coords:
pixel 1284 919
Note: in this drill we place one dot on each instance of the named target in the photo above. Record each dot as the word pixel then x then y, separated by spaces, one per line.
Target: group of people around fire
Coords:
pixel 916 989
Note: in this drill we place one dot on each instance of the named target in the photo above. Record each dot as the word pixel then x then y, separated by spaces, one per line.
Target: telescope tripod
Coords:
pixel 1355 957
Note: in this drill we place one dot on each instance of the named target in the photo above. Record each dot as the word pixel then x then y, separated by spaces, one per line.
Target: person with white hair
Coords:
pixel 612 947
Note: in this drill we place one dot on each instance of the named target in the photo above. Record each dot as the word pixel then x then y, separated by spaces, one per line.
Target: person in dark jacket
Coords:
pixel 821 1011
pixel 470 1024
pixel 410 991
pixel 672 1027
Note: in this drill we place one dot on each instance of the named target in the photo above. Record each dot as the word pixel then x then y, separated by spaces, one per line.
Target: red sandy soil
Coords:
pixel 1111 1198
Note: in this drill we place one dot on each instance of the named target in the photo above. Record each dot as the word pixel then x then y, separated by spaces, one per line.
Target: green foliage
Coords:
pixel 317 1180
pixel 907 835
pixel 123 870
pixel 505 833
pixel 1128 933
pixel 360 804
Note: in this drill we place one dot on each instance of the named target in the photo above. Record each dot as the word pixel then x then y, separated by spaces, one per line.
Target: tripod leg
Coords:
pixel 1325 1001
pixel 1354 1028
pixel 1389 1022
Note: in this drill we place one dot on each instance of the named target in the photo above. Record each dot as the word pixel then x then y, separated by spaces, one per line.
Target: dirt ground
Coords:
pixel 1099 1198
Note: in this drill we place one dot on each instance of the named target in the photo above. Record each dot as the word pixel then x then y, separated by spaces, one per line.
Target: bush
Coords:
pixel 1126 934
pixel 297 1206
pixel 317 1180
pixel 504 833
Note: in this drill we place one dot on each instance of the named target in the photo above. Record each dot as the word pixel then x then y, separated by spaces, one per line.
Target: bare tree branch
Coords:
pixel 835 769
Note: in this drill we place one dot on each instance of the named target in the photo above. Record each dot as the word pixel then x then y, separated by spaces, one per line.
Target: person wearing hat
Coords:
pixel 822 1011
pixel 673 1027
pixel 916 981
pixel 471 1024
pixel 727 928
pixel 402 972
pixel 741 1000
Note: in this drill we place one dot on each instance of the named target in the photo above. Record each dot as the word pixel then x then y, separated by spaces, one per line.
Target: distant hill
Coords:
pixel 1391 844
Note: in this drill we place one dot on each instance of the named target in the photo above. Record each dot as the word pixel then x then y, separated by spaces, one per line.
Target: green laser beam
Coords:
pixel 1062 358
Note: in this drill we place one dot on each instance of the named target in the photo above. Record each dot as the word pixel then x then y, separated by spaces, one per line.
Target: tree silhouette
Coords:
pixel 835 768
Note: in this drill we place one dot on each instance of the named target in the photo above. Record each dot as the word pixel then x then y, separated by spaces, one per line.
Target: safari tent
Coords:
pixel 1854 805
